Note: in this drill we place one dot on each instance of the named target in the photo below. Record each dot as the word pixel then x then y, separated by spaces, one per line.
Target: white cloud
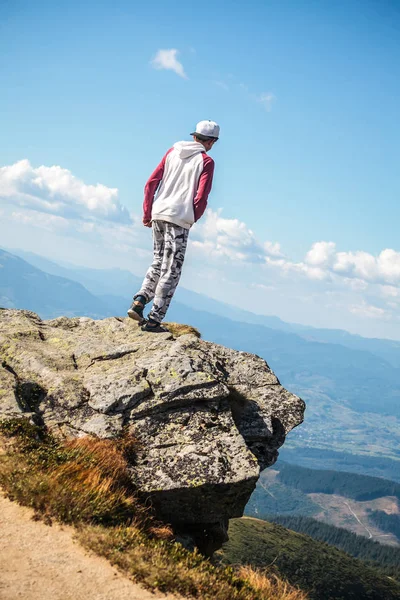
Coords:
pixel 309 271
pixel 313 272
pixel 369 311
pixel 231 239
pixel 167 59
pixel 357 285
pixel 391 297
pixel 389 265
pixel 60 205
pixel 389 291
pixel 384 268
pixel 356 269
pixel 359 264
pixel 132 238
pixel 266 99
pixel 262 286
pixel 55 190
pixel 321 254
pixel 41 220
pixel 273 248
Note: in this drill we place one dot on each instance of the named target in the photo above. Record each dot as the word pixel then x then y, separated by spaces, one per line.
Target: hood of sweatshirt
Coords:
pixel 188 149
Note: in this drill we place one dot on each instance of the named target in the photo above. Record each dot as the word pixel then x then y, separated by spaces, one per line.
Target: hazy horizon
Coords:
pixel 71 265
pixel 303 217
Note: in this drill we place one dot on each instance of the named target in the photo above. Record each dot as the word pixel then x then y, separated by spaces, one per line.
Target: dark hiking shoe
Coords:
pixel 135 311
pixel 154 327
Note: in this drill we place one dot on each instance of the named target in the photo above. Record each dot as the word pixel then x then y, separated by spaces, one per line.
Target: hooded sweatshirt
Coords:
pixel 183 180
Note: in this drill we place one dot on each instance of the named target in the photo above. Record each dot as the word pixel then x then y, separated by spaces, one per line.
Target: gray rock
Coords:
pixel 101 426
pixel 10 406
pixel 207 418
pixel 115 389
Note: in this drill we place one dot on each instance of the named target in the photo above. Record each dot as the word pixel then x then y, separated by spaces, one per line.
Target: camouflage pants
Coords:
pixel 162 278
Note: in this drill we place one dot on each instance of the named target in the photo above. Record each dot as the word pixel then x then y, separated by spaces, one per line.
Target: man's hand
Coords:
pixel 146 222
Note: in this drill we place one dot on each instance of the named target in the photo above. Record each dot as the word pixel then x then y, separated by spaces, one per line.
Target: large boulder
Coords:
pixel 207 418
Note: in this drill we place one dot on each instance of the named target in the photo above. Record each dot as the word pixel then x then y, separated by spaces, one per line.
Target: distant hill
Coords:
pixel 323 571
pixel 350 485
pixel 387 349
pixel 362 505
pixel 24 286
pixel 386 522
pixel 124 283
pixel 287 490
pixel 99 282
pixel 271 497
pixel 385 558
pixel 318 458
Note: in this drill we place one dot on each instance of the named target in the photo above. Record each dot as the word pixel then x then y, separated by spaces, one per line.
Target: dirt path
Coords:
pixel 361 523
pixel 38 562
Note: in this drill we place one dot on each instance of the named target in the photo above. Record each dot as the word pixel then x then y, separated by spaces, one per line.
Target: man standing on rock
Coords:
pixel 183 181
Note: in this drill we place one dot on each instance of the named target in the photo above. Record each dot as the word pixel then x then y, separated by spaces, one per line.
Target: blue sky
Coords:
pixel 307 96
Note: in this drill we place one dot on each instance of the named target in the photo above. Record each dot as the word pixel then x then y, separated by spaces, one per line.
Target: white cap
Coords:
pixel 207 129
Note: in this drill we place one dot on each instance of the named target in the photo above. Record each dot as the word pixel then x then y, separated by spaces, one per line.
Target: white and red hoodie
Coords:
pixel 183 179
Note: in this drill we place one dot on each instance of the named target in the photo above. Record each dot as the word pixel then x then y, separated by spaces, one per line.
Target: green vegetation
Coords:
pixel 385 522
pixel 282 492
pixel 322 458
pixel 385 558
pixel 324 572
pixel 86 482
pixel 358 487
pixel 272 498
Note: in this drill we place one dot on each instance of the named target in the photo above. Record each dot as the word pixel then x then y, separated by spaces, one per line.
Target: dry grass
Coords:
pixel 83 480
pixel 271 587
pixel 169 567
pixel 165 566
pixel 86 482
pixel 161 532
pixel 96 481
pixel 177 329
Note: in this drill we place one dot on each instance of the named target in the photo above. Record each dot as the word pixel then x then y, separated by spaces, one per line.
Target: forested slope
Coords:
pixel 351 485
pixel 325 572
pixel 384 557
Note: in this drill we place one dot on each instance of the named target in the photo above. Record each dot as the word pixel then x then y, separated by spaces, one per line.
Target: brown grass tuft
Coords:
pixel 271 587
pixel 81 480
pixel 103 456
pixel 161 532
pixel 177 329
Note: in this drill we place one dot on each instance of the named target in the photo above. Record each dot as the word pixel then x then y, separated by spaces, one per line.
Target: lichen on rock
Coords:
pixel 207 418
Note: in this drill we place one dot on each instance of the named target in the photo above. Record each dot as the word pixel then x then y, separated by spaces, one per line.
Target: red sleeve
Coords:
pixel 204 187
pixel 151 187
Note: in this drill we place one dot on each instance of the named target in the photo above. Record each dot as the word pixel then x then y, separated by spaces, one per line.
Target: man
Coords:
pixel 183 181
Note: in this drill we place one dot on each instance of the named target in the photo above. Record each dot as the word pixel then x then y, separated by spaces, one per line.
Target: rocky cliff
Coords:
pixel 207 418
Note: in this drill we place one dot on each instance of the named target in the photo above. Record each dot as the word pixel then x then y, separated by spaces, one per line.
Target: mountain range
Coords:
pixel 123 283
pixel 351 384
